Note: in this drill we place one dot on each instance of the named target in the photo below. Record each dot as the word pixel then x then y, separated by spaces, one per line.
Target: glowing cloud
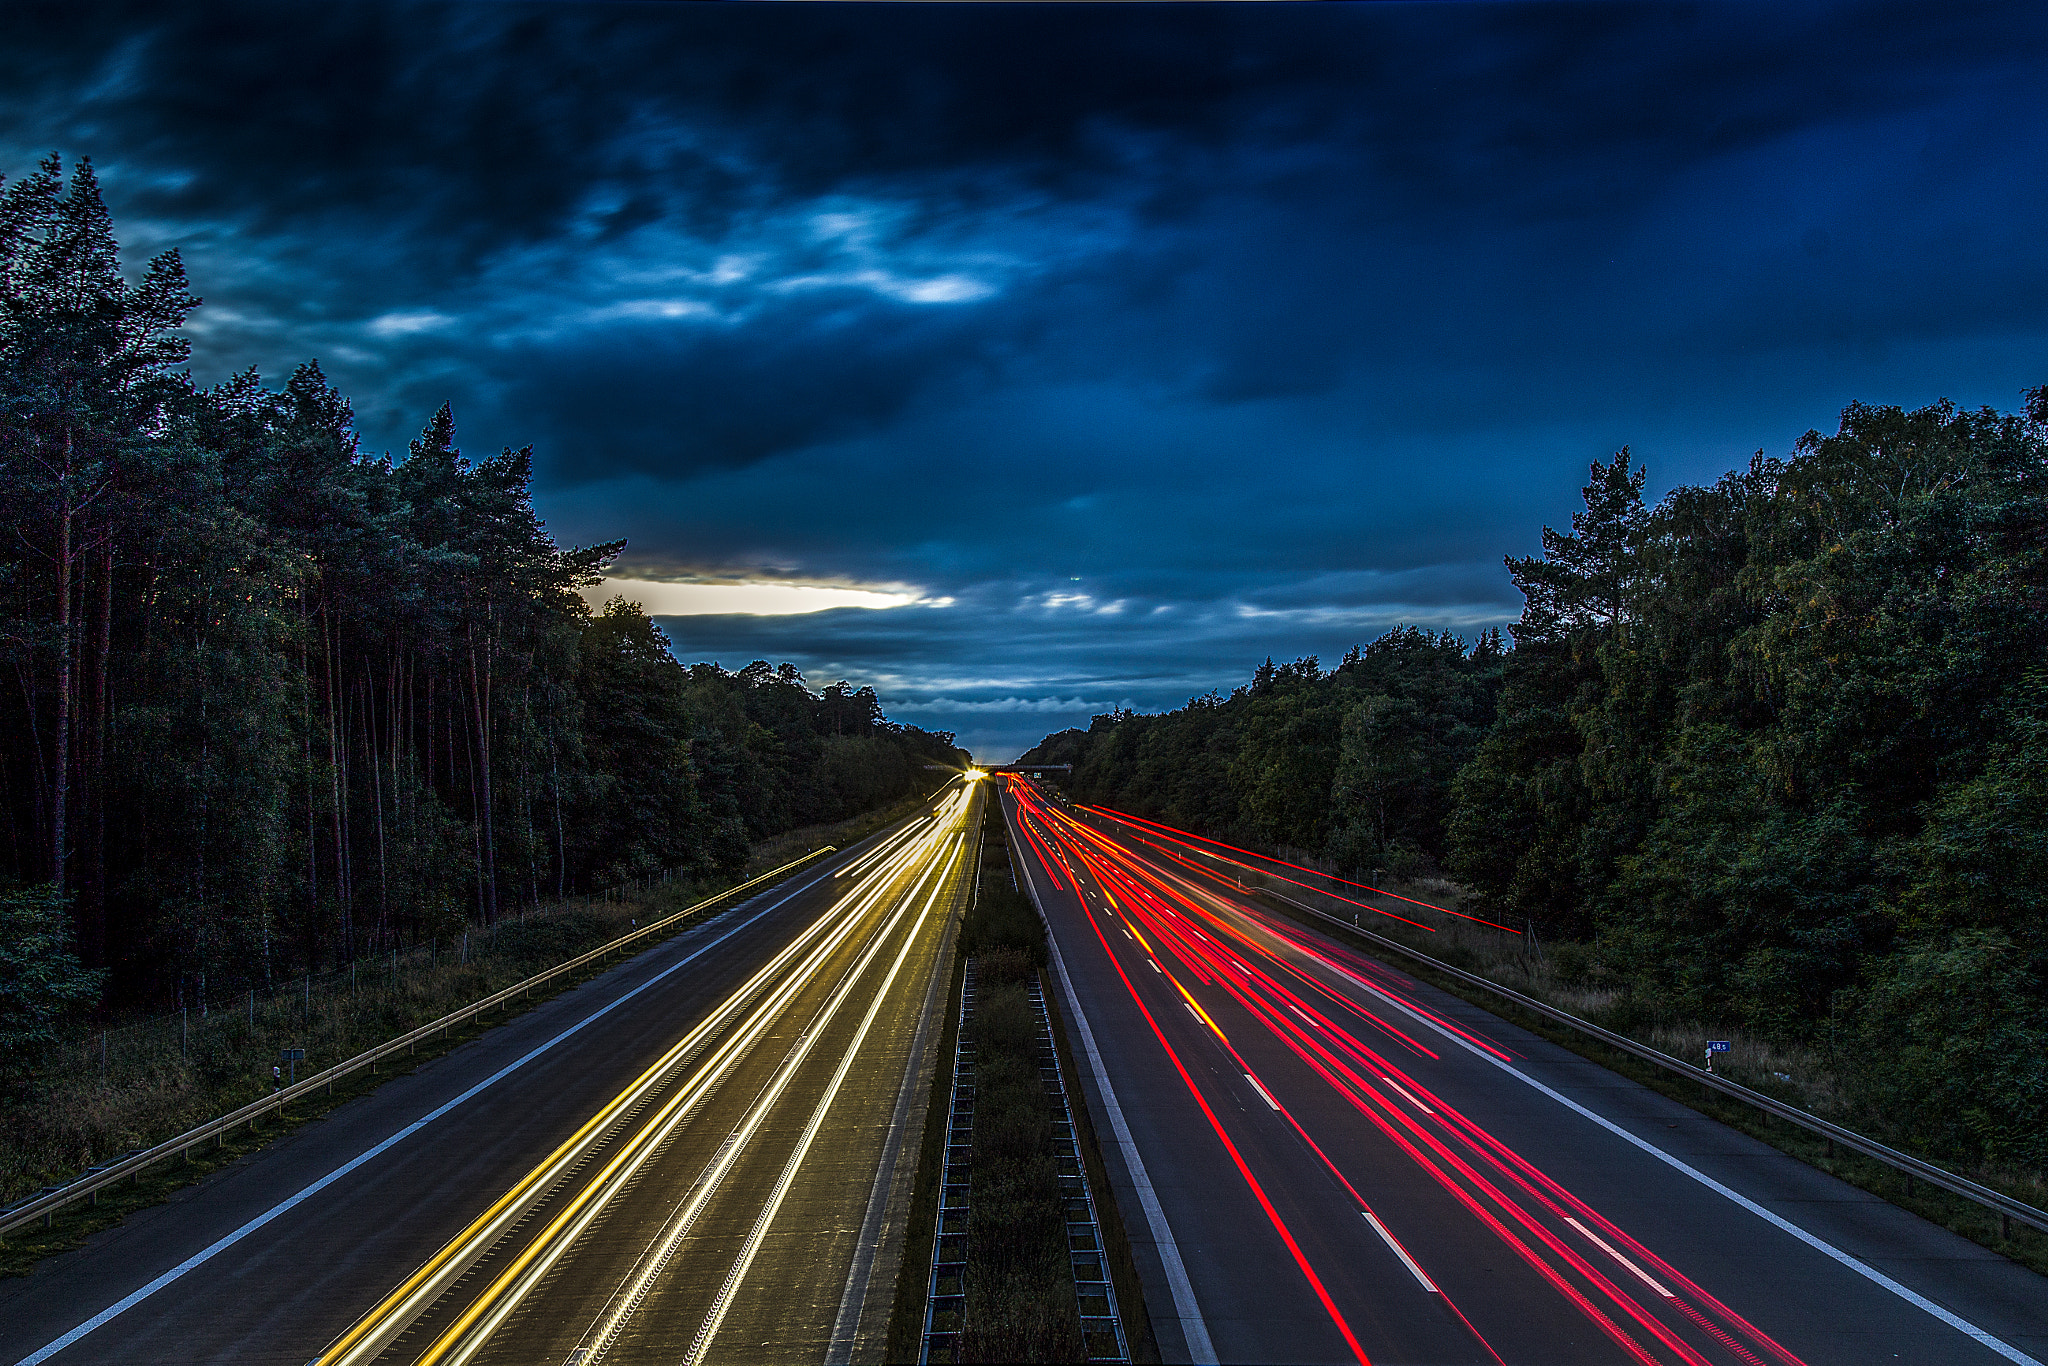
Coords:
pixel 745 599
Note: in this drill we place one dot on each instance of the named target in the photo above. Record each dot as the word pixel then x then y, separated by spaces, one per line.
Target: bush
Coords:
pixel 41 979
pixel 1020 1283
pixel 1952 1040
pixel 1004 920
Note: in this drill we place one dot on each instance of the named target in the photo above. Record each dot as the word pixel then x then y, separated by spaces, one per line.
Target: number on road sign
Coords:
pixel 1718 1045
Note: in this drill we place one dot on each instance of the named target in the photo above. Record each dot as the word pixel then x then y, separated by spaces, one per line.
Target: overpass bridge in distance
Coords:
pixel 1008 768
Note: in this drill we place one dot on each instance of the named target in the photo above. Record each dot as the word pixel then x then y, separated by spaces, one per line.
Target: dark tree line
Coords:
pixel 1773 752
pixel 1354 764
pixel 270 701
pixel 1775 748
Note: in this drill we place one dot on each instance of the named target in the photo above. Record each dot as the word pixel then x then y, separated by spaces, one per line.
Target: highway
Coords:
pixel 690 1158
pixel 1320 1159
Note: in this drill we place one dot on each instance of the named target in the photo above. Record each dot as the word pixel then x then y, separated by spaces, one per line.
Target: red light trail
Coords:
pixel 1268 975
pixel 1189 840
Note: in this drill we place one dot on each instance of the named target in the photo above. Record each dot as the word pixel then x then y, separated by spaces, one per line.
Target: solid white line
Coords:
pixel 1861 1268
pixel 619 1172
pixel 1187 1313
pixel 285 1206
pixel 839 1350
pixel 1613 1252
pixel 1401 1252
pixel 1264 1094
pixel 759 1233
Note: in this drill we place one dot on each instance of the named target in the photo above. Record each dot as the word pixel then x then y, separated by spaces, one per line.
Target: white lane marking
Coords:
pixel 1264 1094
pixel 619 1173
pixel 123 1305
pixel 1404 1094
pixel 1615 1253
pixel 1818 1244
pixel 839 1351
pixel 1196 1013
pixel 1155 967
pixel 752 1248
pixel 1399 1251
pixel 1187 1313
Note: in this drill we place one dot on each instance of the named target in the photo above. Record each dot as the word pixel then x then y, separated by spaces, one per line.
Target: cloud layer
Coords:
pixel 1148 341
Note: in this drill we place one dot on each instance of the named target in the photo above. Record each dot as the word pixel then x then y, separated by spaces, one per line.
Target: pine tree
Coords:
pixel 84 379
pixel 1582 582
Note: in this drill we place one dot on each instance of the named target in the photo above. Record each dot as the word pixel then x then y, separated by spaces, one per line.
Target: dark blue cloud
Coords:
pixel 1158 339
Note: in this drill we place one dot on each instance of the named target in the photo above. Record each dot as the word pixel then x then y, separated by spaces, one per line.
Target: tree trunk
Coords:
pixel 312 804
pixel 60 795
pixel 342 891
pixel 561 844
pixel 480 699
pixel 476 824
pixel 94 942
pixel 370 747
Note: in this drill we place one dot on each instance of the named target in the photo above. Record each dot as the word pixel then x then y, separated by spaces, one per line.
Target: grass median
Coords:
pixel 1019 1281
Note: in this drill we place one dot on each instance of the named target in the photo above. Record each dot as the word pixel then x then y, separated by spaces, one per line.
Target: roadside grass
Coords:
pixel 68 1122
pixel 165 1076
pixel 22 1249
pixel 1795 1075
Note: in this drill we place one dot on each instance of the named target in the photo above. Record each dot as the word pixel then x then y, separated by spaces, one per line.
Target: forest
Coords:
pixel 1353 764
pixel 1771 753
pixel 270 701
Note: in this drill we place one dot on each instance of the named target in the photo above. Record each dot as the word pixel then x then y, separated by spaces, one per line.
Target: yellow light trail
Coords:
pixel 376 1330
pixel 457 1344
pixel 759 1232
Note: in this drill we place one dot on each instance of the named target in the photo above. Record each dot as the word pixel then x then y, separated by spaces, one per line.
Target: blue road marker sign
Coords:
pixel 1718 1045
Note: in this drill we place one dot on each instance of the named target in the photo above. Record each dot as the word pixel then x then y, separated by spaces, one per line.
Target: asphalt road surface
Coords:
pixel 689 1158
pixel 1320 1159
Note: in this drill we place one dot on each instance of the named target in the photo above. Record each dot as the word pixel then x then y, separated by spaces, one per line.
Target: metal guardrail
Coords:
pixel 1102 1325
pixel 2008 1209
pixel 96 1179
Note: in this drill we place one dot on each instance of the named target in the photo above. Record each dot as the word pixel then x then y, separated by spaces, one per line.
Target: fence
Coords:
pixel 220 1004
pixel 88 1185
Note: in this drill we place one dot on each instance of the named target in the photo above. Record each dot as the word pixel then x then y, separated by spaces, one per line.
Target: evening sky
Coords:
pixel 1105 350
